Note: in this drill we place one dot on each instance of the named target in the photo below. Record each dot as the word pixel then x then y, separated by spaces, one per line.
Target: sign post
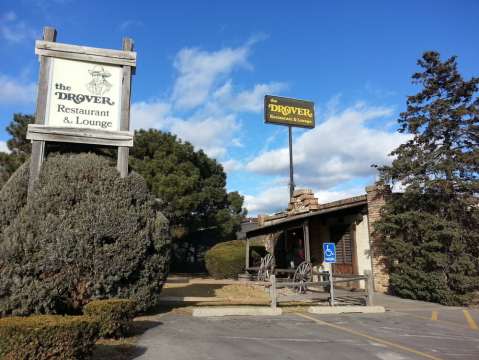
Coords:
pixel 291 174
pixel 329 252
pixel 83 97
pixel 291 113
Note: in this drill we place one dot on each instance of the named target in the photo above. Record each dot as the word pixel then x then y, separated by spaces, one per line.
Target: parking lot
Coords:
pixel 410 332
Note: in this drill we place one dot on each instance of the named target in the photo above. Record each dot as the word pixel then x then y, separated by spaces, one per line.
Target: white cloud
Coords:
pixel 326 196
pixel 275 199
pixel 272 200
pixel 130 23
pixel 14 30
pixel 3 147
pixel 199 70
pixel 13 91
pixel 251 100
pixel 209 134
pixel 150 114
pixel 231 165
pixel 204 106
pixel 339 149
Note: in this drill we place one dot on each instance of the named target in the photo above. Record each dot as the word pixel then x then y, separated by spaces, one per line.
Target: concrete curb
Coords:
pixel 324 310
pixel 235 311
pixel 185 299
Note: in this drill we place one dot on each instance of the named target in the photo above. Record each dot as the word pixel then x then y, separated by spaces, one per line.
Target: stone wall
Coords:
pixel 377 196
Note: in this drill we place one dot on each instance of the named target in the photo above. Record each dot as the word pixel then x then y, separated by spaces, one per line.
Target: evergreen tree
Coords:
pixel 189 183
pixel 431 231
pixel 193 196
pixel 20 148
pixel 18 143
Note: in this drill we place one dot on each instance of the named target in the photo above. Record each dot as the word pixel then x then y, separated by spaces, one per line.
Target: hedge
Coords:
pixel 13 195
pixel 226 259
pixel 47 337
pixel 114 315
pixel 85 233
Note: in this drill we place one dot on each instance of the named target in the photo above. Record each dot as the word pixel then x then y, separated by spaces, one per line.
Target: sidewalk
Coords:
pixel 398 304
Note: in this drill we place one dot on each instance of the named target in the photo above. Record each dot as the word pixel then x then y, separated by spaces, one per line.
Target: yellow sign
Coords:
pixel 291 112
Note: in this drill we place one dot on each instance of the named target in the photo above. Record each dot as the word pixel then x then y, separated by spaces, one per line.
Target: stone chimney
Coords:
pixel 377 196
pixel 303 201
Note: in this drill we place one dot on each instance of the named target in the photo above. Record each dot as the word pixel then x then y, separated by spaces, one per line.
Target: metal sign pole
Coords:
pixel 291 176
pixel 331 286
pixel 329 253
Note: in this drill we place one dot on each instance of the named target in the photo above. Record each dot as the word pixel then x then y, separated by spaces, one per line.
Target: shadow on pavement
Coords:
pixel 124 348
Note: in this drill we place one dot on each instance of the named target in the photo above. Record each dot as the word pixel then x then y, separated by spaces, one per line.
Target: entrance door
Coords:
pixel 341 236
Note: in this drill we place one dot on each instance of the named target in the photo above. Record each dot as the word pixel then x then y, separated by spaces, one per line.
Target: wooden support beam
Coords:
pixel 307 247
pixel 247 254
pixel 123 152
pixel 80 135
pixel 38 146
pixel 85 53
pixel 369 287
pixel 273 292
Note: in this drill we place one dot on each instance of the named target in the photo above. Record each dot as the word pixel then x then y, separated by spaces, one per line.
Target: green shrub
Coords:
pixel 84 233
pixel 47 337
pixel 226 259
pixel 13 195
pixel 114 315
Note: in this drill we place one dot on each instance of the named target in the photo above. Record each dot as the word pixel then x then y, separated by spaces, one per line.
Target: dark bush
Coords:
pixel 114 315
pixel 84 233
pixel 226 259
pixel 13 195
pixel 47 337
pixel 256 253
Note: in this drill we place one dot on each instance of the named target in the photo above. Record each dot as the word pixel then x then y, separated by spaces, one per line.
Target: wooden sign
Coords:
pixel 83 97
pixel 290 112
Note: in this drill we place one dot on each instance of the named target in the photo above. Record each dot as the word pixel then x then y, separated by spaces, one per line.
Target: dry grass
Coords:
pixel 243 294
pixel 195 290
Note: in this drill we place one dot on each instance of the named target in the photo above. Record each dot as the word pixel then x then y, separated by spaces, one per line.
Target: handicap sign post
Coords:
pixel 329 251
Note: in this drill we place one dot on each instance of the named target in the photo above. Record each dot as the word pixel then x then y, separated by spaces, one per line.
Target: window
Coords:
pixel 341 235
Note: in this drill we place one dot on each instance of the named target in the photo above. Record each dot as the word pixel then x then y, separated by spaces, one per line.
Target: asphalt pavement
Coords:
pixel 411 332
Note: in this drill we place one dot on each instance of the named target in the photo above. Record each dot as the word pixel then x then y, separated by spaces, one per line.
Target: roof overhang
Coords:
pixel 296 220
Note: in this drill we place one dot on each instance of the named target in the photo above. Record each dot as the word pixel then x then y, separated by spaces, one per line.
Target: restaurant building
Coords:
pixel 298 234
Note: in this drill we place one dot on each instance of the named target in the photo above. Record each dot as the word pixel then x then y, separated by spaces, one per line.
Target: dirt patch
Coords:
pixel 118 349
pixel 190 290
pixel 243 294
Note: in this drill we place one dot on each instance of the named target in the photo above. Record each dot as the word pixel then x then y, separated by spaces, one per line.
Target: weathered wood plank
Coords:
pixel 38 147
pixel 85 57
pixel 79 135
pixel 306 241
pixel 370 287
pixel 86 50
pixel 126 90
pixel 123 152
pixel 273 292
pixel 36 161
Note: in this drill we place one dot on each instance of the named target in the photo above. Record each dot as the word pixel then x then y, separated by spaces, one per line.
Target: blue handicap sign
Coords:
pixel 329 251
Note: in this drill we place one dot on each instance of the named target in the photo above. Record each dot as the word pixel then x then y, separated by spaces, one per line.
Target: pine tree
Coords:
pixel 192 187
pixel 19 146
pixel 431 231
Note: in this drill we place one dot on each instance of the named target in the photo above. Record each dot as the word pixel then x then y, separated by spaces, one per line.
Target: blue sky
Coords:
pixel 204 67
